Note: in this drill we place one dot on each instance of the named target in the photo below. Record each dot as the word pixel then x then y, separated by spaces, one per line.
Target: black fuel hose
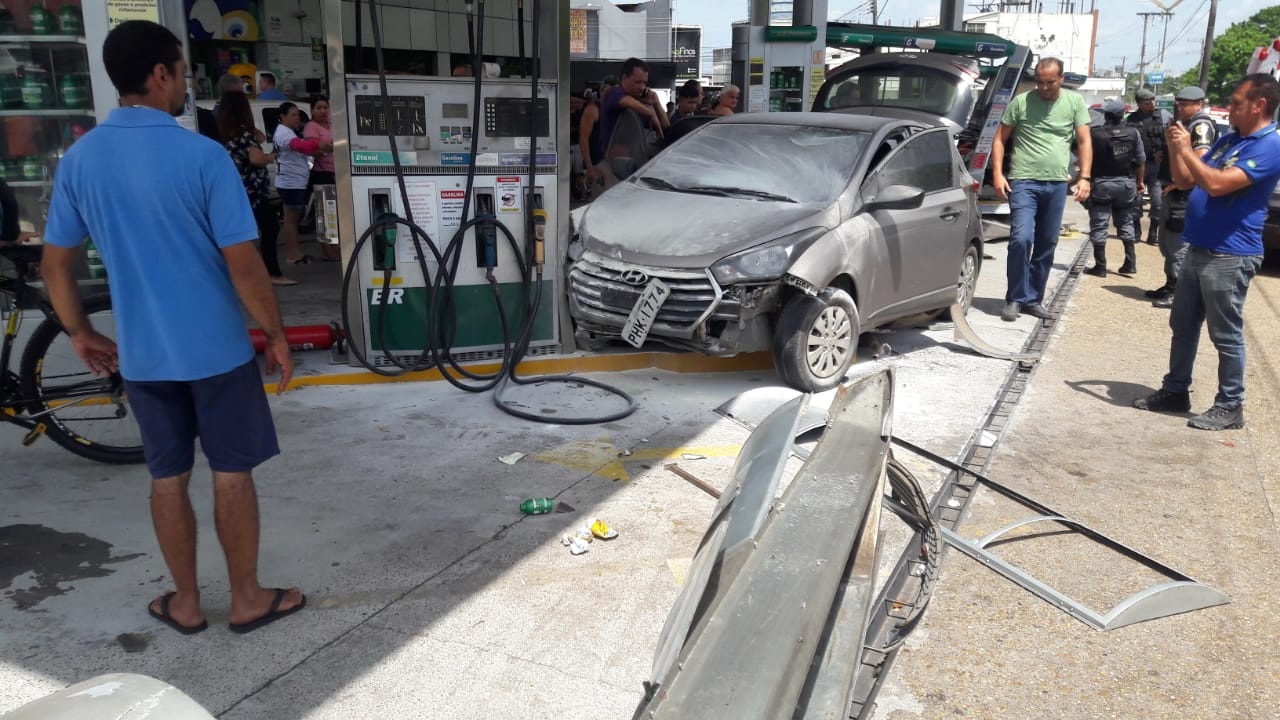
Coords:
pixel 441 324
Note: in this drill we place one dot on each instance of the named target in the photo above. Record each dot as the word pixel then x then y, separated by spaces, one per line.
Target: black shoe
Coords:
pixel 1127 269
pixel 1165 401
pixel 1152 241
pixel 1219 418
pixel 1037 311
pixel 1165 290
pixel 1164 303
pixel 1011 312
pixel 1097 271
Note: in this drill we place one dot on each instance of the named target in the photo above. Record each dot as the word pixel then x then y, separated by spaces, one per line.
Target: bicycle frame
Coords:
pixel 13 407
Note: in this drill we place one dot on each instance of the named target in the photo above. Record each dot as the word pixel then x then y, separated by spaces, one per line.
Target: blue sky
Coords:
pixel 1119 27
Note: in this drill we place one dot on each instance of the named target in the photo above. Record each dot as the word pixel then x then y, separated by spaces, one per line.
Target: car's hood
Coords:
pixel 672 229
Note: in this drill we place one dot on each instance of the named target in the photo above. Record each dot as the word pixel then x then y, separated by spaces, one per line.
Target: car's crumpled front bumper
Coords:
pixel 699 315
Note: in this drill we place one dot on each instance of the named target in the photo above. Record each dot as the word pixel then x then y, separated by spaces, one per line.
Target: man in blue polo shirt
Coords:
pixel 166 209
pixel 1225 212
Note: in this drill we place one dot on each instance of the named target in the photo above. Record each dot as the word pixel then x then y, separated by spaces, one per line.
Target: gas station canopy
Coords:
pixel 856 36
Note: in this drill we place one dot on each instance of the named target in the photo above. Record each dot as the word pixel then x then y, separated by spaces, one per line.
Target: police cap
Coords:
pixel 1144 95
pixel 1190 93
pixel 1114 107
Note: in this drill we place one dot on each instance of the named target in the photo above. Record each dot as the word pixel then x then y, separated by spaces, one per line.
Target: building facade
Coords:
pixel 604 30
pixel 1069 36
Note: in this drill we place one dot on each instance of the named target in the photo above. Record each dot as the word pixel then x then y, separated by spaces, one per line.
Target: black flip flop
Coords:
pixel 164 617
pixel 304 260
pixel 273 614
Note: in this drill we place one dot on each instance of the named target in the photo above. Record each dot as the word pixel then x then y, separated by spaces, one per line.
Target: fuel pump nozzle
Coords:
pixel 486 233
pixel 539 238
pixel 384 245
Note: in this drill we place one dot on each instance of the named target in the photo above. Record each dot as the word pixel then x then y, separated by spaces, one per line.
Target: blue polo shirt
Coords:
pixel 159 202
pixel 1232 224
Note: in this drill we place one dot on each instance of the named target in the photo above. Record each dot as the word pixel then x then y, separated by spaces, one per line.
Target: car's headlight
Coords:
pixel 575 248
pixel 767 261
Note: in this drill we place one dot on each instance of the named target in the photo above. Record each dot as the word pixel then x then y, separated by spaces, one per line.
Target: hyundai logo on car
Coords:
pixel 634 277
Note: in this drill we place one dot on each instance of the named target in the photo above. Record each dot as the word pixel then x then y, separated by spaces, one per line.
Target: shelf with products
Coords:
pixel 46 102
pixel 787 89
pixel 34 22
pixel 69 41
pixel 49 113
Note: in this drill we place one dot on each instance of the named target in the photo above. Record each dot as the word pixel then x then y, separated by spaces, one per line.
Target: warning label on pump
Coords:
pixel 422 205
pixel 507 190
pixel 451 204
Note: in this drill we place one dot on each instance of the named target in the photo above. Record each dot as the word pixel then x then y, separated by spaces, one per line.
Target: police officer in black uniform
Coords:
pixel 1189 111
pixel 1150 124
pixel 1119 161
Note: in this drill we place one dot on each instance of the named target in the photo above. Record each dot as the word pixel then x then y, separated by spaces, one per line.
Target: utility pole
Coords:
pixel 1208 46
pixel 1164 37
pixel 1142 55
pixel 875 12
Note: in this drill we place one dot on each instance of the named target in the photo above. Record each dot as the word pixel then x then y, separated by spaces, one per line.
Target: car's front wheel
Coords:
pixel 967 284
pixel 815 340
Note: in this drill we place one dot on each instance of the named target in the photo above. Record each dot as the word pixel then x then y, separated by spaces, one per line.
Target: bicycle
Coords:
pixel 54 393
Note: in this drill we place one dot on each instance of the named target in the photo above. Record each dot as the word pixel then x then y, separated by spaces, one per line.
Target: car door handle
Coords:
pixel 951 215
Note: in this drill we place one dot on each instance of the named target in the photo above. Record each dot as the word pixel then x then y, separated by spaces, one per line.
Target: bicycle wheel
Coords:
pixel 83 413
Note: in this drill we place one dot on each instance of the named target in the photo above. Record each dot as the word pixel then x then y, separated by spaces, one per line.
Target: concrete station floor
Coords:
pixel 432 597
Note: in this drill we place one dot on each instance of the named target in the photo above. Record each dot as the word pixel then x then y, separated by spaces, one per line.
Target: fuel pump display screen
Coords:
pixel 408 115
pixel 509 117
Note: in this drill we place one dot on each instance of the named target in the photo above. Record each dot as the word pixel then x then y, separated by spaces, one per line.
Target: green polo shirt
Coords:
pixel 1042 136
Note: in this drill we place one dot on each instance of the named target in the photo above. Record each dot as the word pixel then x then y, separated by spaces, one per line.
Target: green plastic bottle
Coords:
pixel 42 21
pixel 96 269
pixel 8 26
pixel 33 168
pixel 73 94
pixel 537 506
pixel 10 91
pixel 69 20
pixel 34 90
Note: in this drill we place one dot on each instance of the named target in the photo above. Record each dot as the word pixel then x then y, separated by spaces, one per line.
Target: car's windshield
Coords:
pixel 792 162
pixel 898 85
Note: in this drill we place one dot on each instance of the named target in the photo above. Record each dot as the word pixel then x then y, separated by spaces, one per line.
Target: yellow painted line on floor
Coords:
pixel 673 362
pixel 679 568
pixel 601 458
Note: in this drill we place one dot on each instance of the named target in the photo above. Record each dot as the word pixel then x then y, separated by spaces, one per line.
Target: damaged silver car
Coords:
pixel 791 232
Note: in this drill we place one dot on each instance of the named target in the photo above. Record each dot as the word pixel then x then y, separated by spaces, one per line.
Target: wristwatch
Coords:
pixel 1086 178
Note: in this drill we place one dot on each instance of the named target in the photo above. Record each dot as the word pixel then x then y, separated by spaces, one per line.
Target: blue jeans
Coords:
pixel 1173 248
pixel 1036 207
pixel 1211 290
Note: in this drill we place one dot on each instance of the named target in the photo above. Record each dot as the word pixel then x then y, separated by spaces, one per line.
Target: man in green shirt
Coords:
pixel 1046 122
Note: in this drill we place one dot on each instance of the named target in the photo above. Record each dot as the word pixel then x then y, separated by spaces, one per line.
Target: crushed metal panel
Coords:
pixel 1179 594
pixel 966 335
pixel 742 509
pixel 773 615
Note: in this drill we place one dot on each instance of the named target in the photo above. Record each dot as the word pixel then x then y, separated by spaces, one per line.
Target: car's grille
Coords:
pixel 596 284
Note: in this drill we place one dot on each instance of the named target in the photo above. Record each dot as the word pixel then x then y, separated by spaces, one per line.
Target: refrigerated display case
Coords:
pixel 46 98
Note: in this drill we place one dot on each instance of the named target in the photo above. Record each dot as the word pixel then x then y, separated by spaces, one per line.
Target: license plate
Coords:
pixel 645 311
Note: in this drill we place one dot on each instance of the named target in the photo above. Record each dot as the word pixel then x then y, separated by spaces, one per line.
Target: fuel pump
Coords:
pixel 451 179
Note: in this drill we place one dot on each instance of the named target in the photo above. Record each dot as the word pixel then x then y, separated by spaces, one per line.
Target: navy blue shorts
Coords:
pixel 292 198
pixel 228 412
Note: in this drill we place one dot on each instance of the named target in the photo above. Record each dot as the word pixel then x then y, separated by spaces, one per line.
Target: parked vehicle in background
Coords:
pixel 788 232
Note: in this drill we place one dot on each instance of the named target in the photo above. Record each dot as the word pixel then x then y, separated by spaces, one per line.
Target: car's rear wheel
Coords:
pixel 816 339
pixel 967 285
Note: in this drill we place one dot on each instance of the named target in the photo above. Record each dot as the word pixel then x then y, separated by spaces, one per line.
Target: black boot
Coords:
pixel 1099 268
pixel 1130 265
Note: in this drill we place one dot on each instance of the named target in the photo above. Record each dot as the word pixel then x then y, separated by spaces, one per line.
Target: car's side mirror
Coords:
pixel 895 197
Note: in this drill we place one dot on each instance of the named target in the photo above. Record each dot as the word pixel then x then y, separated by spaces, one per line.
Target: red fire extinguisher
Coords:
pixel 301 337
